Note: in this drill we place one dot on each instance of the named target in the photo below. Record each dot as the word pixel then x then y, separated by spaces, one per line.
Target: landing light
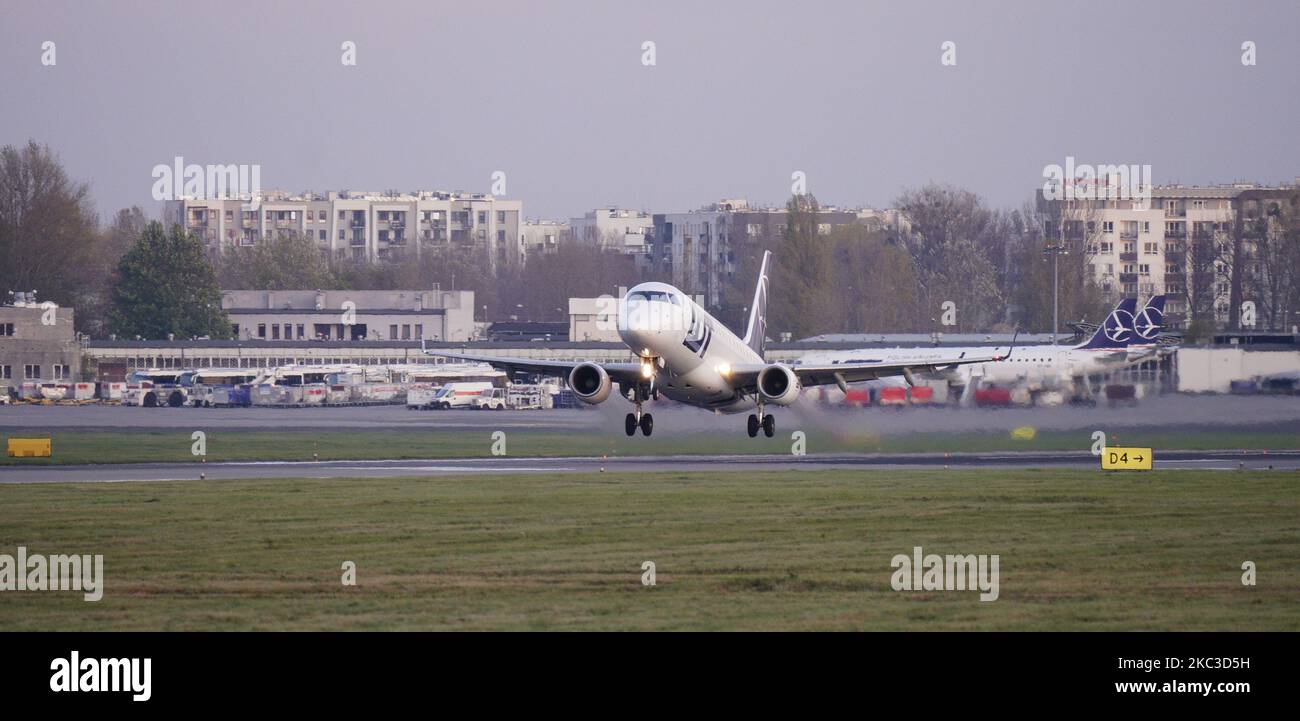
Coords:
pixel 723 369
pixel 647 370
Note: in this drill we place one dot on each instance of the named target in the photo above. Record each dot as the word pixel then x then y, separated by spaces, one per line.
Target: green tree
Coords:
pixel 49 233
pixel 802 273
pixel 165 285
pixel 286 262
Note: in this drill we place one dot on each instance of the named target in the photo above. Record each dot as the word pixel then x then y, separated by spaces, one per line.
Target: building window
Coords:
pixel 392 332
pixel 322 235
pixel 275 331
pixel 7 329
pixel 60 372
pixel 234 330
pixel 301 332
pixel 1108 226
pixel 6 371
pixel 1144 269
pixel 419 331
pixel 261 330
pixel 406 331
pixel 501 216
pixel 482 217
pixel 31 372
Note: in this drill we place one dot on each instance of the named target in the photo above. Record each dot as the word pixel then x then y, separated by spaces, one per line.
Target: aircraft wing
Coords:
pixel 618 372
pixel 841 374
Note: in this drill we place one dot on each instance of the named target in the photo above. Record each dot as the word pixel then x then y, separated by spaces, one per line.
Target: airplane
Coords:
pixel 684 354
pixel 1038 367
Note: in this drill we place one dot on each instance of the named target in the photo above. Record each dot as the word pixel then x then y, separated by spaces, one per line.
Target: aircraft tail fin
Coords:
pixel 1150 320
pixel 1117 331
pixel 756 330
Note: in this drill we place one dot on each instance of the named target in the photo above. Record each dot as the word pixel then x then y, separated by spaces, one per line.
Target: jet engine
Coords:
pixel 778 384
pixel 590 383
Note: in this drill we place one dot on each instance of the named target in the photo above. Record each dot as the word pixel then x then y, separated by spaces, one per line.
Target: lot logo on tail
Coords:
pixel 1152 318
pixel 1117 325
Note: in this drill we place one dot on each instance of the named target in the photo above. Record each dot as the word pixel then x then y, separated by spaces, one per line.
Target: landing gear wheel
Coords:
pixel 629 424
pixel 647 424
pixel 753 425
pixel 769 425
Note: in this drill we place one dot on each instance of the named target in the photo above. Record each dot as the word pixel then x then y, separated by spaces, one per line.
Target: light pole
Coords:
pixel 1056 251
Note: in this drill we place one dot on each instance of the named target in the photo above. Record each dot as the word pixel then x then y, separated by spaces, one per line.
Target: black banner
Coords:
pixel 339 670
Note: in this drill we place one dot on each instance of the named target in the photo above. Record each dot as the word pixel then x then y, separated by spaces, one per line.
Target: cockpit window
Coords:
pixel 653 295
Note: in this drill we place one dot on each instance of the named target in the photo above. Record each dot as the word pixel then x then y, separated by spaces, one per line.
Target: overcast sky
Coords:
pixel 741 95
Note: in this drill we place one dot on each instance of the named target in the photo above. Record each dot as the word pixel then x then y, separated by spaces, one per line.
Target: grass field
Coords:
pixel 793 550
pixel 94 446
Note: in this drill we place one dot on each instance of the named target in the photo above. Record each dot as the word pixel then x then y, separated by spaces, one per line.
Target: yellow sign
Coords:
pixel 1126 459
pixel 29 447
pixel 1024 433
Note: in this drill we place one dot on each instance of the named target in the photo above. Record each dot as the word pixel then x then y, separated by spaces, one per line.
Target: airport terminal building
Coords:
pixel 350 315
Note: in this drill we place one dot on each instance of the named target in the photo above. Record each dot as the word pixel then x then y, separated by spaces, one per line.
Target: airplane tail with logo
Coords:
pixel 756 330
pixel 1149 321
pixel 1117 331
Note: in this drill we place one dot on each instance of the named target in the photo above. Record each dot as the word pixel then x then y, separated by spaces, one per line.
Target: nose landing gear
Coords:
pixel 644 421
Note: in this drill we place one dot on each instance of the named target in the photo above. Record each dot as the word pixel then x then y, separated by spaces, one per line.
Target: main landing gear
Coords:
pixel 766 422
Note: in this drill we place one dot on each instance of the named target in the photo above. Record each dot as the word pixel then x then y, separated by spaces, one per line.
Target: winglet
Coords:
pixel 1011 347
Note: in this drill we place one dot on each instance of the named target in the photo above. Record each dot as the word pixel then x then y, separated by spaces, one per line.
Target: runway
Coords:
pixel 146 472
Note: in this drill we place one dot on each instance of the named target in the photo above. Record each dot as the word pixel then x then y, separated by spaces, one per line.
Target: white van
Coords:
pixel 458 395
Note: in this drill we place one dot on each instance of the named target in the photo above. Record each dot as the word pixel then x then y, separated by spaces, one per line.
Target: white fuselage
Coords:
pixel 1035 366
pixel 691 351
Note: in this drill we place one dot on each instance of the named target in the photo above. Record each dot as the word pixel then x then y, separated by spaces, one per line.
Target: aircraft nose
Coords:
pixel 644 325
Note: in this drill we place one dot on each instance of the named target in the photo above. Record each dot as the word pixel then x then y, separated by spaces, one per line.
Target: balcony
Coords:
pixel 1178 234
pixel 1128 277
pixel 358 223
pixel 1130 257
pixel 1178 278
pixel 1128 235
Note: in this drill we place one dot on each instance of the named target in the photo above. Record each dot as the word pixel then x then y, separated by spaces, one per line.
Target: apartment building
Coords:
pixel 359 225
pixel 544 236
pixel 615 228
pixel 1193 244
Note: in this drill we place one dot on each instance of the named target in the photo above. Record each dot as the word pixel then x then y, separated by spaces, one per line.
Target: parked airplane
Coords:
pixel 1039 367
pixel 685 354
